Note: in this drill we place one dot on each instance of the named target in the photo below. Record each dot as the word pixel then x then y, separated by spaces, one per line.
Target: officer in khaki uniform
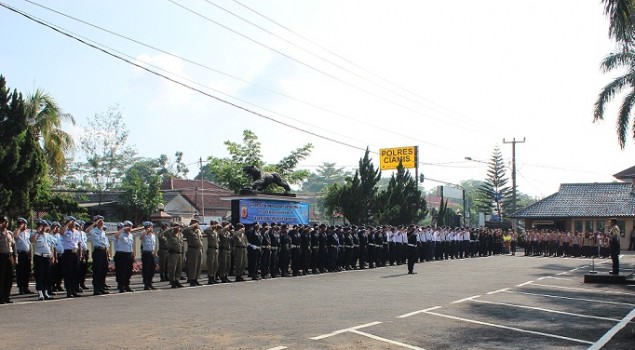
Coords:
pixel 239 242
pixel 174 240
pixel 163 253
pixel 194 237
pixel 224 251
pixel 212 251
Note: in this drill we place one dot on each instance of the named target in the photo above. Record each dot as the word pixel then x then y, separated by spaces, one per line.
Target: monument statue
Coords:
pixel 261 180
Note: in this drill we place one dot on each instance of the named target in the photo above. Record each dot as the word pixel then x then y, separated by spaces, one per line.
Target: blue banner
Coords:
pixel 288 212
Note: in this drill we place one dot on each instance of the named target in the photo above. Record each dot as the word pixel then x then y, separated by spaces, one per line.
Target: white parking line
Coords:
pixel 524 284
pixel 465 299
pixel 576 299
pixel 590 290
pixel 545 310
pixel 511 328
pixel 607 337
pixel 372 336
pixel 278 348
pixel 344 330
pixel 497 291
pixel 418 312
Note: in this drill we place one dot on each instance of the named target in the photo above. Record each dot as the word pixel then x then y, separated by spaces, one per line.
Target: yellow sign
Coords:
pixel 389 157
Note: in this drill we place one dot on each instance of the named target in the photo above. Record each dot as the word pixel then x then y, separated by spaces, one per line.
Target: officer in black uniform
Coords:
pixel 412 249
pixel 305 246
pixel 274 239
pixel 341 255
pixel 370 250
pixel 285 255
pixel 254 251
pixel 379 246
pixel 315 249
pixel 385 251
pixel 350 246
pixel 265 261
pixel 333 245
pixel 324 254
pixel 296 250
pixel 355 253
pixel 363 244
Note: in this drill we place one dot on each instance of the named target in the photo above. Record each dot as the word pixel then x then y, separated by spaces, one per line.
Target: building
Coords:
pixel 188 199
pixel 586 207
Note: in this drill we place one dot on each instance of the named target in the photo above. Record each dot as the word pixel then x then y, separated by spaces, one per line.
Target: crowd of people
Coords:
pixel 61 258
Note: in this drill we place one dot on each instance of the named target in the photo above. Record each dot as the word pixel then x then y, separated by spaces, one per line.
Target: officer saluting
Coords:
pixel 212 251
pixel 194 238
pixel 148 252
pixel 174 240
pixel 239 240
pixel 71 241
pixel 7 260
pixel 23 245
pixel 100 254
pixel 614 246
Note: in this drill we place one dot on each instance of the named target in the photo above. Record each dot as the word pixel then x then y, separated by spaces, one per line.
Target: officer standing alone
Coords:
pixel 614 246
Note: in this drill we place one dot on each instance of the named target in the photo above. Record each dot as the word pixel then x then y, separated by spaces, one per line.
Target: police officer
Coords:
pixel 333 244
pixel 363 245
pixel 274 238
pixel 148 253
pixel 101 244
pixel 254 238
pixel 71 241
pixel 239 242
pixel 125 246
pixel 163 253
pixel 315 249
pixel 265 257
pixel 412 248
pixel 211 232
pixel 7 260
pixel 43 253
pixel 83 260
pixel 194 238
pixel 285 254
pixel 296 252
pixel 23 245
pixel 305 246
pixel 57 271
pixel 174 241
pixel 324 254
pixel 614 246
pixel 224 251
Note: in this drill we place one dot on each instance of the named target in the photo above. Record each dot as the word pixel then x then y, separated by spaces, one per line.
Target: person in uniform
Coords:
pixel 71 240
pixel 254 251
pixel 43 253
pixel 163 253
pixel 614 246
pixel 57 271
pixel 148 253
pixel 125 244
pixel 194 237
pixel 363 246
pixel 411 234
pixel 224 251
pixel 305 246
pixel 333 244
pixel 285 254
pixel 324 255
pixel 8 258
pixel 174 242
pixel 274 238
pixel 23 245
pixel 101 244
pixel 296 252
pixel 265 251
pixel 211 232
pixel 239 242
pixel 83 261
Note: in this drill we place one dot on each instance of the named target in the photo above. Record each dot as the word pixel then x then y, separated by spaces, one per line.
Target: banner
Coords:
pixel 288 212
pixel 389 157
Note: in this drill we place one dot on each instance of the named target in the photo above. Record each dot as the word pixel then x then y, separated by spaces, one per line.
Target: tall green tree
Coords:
pixel 494 196
pixel 108 155
pixel 21 158
pixel 141 189
pixel 45 118
pixel 326 174
pixel 621 20
pixel 402 202
pixel 228 172
pixel 356 199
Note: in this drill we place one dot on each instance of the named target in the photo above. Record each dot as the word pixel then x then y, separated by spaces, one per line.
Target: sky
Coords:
pixel 455 78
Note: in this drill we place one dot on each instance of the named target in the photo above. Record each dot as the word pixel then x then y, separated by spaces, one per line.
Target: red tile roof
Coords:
pixel 197 192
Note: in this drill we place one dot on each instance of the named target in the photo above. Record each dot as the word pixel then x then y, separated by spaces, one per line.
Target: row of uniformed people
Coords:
pixel 553 243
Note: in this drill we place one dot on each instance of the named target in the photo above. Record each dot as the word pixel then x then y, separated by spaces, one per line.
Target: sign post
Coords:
pixel 389 158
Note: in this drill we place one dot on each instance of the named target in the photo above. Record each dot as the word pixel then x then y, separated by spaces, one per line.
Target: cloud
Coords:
pixel 161 93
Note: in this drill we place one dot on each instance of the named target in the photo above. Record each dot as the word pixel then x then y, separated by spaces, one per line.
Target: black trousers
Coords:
pixel 100 268
pixel 306 259
pixel 253 261
pixel 315 259
pixel 70 266
pixel 332 263
pixel 615 256
pixel 42 269
pixel 23 270
pixel 123 269
pixel 284 261
pixel 274 265
pixel 147 267
pixel 6 276
pixel 296 260
pixel 265 262
pixel 412 258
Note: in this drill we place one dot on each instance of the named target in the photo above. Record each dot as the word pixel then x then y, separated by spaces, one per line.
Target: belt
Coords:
pixel 295 246
pixel 224 248
pixel 411 245
pixel 240 247
pixel 190 247
pixel 23 252
pixel 70 250
pixel 100 248
pixel 215 248
pixel 266 247
pixel 274 248
pixel 42 255
pixel 315 247
pixel 147 251
pixel 255 247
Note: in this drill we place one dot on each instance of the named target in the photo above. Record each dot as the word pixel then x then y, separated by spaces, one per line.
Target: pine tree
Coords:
pixel 494 196
pixel 402 203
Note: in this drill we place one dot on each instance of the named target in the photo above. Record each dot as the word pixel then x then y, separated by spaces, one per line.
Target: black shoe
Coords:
pixel 8 301
pixel 614 273
pixel 153 287
pixel 412 273
pixel 83 286
pixel 106 286
pixel 121 290
pixel 197 283
pixel 179 285
pixel 103 291
pixel 146 287
pixel 97 292
pixel 76 295
pixel 79 290
pixel 48 297
pixel 127 289
pixel 69 295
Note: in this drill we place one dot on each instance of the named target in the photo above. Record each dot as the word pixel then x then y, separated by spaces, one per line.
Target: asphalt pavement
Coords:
pixel 498 302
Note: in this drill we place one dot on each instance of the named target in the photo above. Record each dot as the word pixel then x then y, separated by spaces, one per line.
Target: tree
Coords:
pixel 494 195
pixel 356 199
pixel 141 189
pixel 471 193
pixel 176 169
pixel 402 203
pixel 108 156
pixel 21 159
pixel 621 20
pixel 325 175
pixel 45 119
pixel 228 172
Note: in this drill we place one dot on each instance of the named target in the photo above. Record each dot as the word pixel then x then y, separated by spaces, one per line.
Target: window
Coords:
pixel 588 227
pixel 577 226
pixel 622 225
pixel 600 226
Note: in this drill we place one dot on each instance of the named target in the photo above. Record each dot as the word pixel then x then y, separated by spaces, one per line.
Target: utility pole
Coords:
pixel 200 159
pixel 513 142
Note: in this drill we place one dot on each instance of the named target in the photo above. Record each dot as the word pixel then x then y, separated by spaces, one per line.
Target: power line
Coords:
pixel 313 67
pixel 241 80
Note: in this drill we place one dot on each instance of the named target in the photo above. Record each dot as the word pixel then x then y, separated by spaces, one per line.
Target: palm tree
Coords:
pixel 624 58
pixel 45 117
pixel 622 23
